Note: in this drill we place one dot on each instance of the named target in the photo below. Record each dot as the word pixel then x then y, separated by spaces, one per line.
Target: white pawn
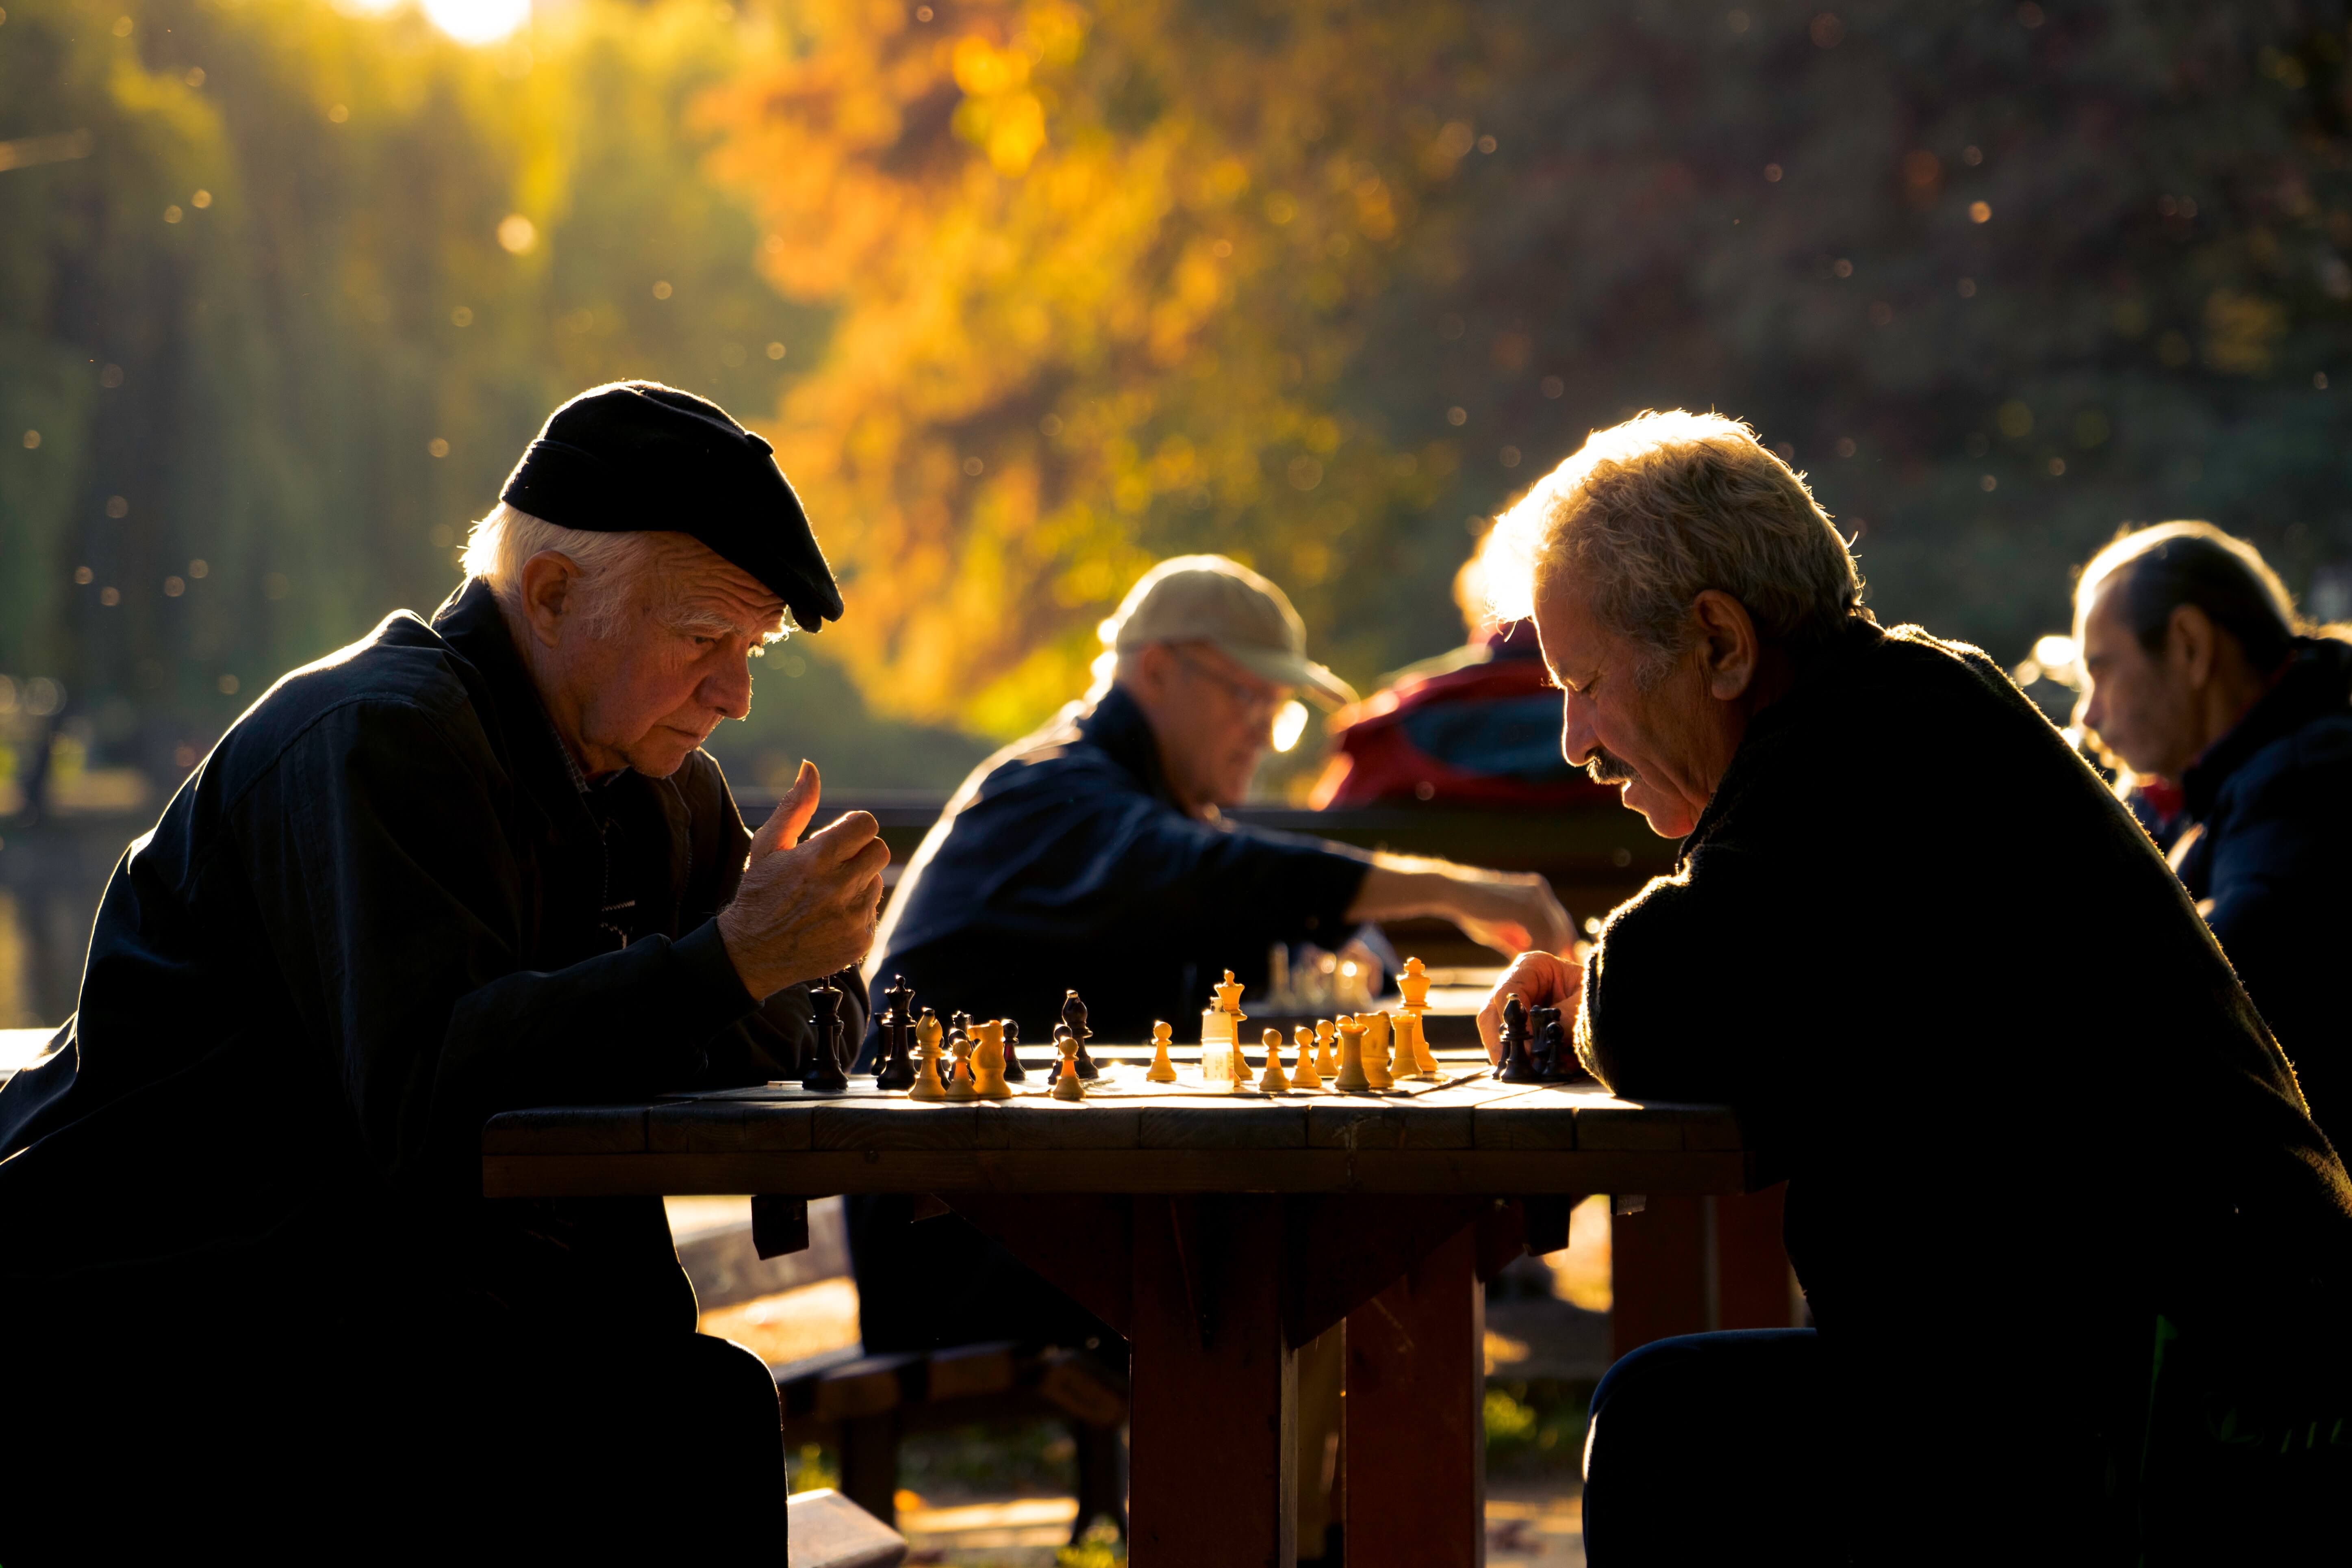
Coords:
pixel 1068 1084
pixel 1274 1082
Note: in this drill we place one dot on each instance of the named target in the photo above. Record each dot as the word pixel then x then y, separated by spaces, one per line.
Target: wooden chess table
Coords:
pixel 1218 1231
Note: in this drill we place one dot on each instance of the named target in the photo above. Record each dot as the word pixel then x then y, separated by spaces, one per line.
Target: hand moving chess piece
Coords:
pixel 1074 1016
pixel 1015 1070
pixel 927 1084
pixel 960 1073
pixel 1351 1078
pixel 1412 984
pixel 825 1074
pixel 1161 1071
pixel 1327 1048
pixel 1274 1082
pixel 1516 1065
pixel 1068 1083
pixel 1376 1049
pixel 987 1061
pixel 1305 1075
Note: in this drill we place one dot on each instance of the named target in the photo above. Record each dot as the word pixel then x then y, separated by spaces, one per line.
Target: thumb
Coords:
pixel 790 818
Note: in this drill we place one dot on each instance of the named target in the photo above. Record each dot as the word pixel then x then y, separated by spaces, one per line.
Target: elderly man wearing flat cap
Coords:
pixel 464 865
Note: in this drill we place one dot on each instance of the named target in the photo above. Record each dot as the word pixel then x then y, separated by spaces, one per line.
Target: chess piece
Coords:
pixel 1516 1065
pixel 1161 1071
pixel 1412 984
pixel 1069 1083
pixel 894 1069
pixel 1412 1057
pixel 1016 1071
pixel 1327 1048
pixel 987 1061
pixel 1274 1081
pixel 1229 996
pixel 927 1084
pixel 960 1073
pixel 1376 1050
pixel 1305 1076
pixel 1241 1068
pixel 825 1074
pixel 1351 1078
pixel 1074 1014
pixel 1054 1073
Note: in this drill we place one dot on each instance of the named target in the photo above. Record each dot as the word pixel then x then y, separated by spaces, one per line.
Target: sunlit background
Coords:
pixel 1030 293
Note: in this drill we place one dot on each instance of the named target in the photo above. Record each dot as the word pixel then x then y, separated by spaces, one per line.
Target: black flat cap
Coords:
pixel 637 457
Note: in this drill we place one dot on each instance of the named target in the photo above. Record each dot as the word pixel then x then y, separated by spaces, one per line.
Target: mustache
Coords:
pixel 1602 767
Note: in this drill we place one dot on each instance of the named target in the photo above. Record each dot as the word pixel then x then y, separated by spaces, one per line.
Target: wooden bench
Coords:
pixel 828 1531
pixel 865 1405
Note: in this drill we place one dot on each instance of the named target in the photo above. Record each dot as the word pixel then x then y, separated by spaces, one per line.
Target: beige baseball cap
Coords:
pixel 1208 598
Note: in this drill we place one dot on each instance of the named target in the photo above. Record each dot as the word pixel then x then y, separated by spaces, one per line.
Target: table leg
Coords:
pixel 1686 1265
pixel 1416 1428
pixel 1211 1469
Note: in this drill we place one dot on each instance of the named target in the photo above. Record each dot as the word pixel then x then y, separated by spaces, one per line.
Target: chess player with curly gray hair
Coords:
pixel 1995 1157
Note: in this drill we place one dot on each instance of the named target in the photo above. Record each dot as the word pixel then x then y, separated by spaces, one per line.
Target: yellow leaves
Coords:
pixel 1010 129
pixel 983 70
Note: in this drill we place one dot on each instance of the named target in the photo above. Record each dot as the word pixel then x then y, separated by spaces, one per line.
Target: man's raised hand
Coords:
pixel 805 909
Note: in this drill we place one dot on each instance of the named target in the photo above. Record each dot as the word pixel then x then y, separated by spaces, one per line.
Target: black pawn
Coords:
pixel 1073 1018
pixel 1014 1072
pixel 825 1074
pixel 895 1071
pixel 1515 1066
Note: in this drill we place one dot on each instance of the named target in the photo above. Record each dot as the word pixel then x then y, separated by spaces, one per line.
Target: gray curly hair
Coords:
pixel 1653 512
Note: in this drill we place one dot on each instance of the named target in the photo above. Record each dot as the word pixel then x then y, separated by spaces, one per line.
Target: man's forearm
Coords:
pixel 1400 886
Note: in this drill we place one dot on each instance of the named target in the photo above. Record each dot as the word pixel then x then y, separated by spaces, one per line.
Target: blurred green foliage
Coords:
pixel 277 334
pixel 1536 1426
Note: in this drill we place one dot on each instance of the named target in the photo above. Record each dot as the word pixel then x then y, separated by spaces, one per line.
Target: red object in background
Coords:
pixel 1476 727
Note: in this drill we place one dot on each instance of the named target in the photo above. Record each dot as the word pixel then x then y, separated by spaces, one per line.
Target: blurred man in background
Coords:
pixel 1094 855
pixel 2055 1222
pixel 1474 727
pixel 2196 675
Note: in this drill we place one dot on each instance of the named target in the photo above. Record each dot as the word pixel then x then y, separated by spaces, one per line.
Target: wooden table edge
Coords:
pixel 1468 1171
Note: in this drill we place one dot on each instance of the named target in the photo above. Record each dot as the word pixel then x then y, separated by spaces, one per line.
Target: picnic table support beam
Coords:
pixel 1414 1409
pixel 1213 1477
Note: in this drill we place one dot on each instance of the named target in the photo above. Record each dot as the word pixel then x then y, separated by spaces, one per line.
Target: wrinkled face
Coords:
pixel 1660 746
pixel 2141 706
pixel 1213 719
pixel 674 661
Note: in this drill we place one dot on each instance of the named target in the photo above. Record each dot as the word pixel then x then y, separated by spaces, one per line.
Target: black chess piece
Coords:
pixel 1074 1017
pixel 1543 1037
pixel 895 1067
pixel 1014 1071
pixel 825 1074
pixel 1515 1066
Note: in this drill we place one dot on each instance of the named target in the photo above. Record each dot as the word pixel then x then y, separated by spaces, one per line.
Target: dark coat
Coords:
pixel 2025 1103
pixel 2274 800
pixel 1065 862
pixel 384 908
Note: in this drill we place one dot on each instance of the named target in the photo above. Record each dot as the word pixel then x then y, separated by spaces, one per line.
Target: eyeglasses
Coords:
pixel 1255 702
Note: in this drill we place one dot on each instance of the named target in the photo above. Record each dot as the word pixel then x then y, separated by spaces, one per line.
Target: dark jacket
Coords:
pixel 2274 800
pixel 384 907
pixel 2025 1103
pixel 1065 862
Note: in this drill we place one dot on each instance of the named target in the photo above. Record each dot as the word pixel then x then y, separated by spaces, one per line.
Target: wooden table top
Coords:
pixel 1467 1134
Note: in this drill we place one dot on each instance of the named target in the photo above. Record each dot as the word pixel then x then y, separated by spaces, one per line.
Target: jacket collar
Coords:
pixel 1117 728
pixel 2318 680
pixel 472 624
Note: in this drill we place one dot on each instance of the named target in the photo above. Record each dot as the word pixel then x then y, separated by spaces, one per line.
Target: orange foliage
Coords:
pixel 1096 275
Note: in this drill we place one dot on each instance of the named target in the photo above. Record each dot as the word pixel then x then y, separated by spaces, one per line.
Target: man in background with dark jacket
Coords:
pixel 2195 675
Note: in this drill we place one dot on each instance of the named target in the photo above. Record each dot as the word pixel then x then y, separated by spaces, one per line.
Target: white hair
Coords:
pixel 1653 512
pixel 610 564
